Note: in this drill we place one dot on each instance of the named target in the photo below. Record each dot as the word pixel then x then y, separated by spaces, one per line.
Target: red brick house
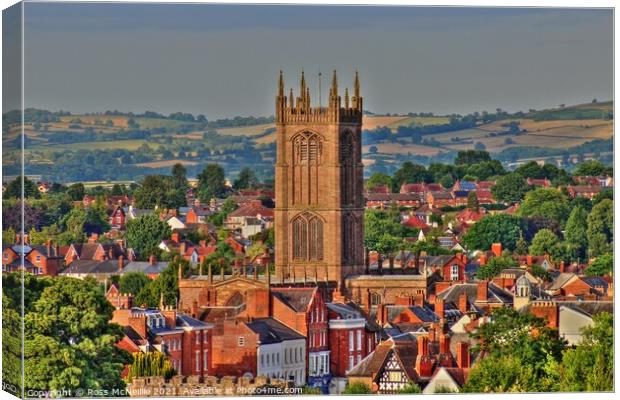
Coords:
pixel 118 218
pixel 440 199
pixel 186 341
pixel 38 260
pixel 587 192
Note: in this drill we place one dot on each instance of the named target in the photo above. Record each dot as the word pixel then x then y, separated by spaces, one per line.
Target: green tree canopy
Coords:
pixel 211 183
pixel 145 233
pixel 383 231
pixel 500 228
pixel 357 388
pixel 70 342
pixel 575 231
pixel 543 243
pixel 494 266
pixel 548 203
pixel 601 228
pixel 379 179
pixel 593 168
pixel 589 367
pixel 14 189
pixel 245 180
pixel 469 157
pixel 472 201
pixel 602 265
pixel 133 282
pixel 76 191
pixel 510 188
pixel 159 191
pixel 410 173
pixel 179 177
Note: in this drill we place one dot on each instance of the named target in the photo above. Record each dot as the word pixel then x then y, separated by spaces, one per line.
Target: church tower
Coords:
pixel 319 214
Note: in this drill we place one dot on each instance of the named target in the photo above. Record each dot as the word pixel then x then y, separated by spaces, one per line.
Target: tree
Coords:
pixel 469 157
pixel 516 360
pixel 472 201
pixel 480 146
pixel 543 243
pixel 133 282
pixel 593 168
pixel 575 231
pixel 145 233
pixel 378 179
pixel 383 231
pixel 602 265
pixel 486 169
pixel 494 266
pixel 357 388
pixel 521 246
pixel 500 228
pixel 159 191
pixel 590 366
pixel 245 180
pixel 14 189
pixel 165 286
pixel 548 203
pixel 70 342
pixel 150 364
pixel 211 183
pixel 76 191
pixel 510 188
pixel 179 177
pixel 409 173
pixel 600 230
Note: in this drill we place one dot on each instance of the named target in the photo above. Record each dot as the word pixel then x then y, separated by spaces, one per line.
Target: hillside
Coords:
pixel 104 146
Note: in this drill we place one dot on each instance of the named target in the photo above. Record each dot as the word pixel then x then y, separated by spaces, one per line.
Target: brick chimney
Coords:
pixel 463 302
pixel 483 291
pixel 548 311
pixel 431 333
pixel 367 301
pixel 203 243
pixel 93 237
pixel 382 314
pixel 463 358
pixel 138 323
pixel 423 364
pixel 182 248
pixel 562 268
pixel 496 248
pixel 121 265
pixel 483 259
pixel 444 344
pixel 152 260
pixel 170 315
pixel 176 238
pixel 439 307
pixel 528 260
pixel 48 247
pixel 403 301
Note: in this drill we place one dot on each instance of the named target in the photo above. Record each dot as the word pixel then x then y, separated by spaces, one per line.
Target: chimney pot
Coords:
pixel 483 291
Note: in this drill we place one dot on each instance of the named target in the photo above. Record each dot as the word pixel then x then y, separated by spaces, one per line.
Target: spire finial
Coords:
pixel 357 85
pixel 291 100
pixel 281 84
pixel 346 97
pixel 334 84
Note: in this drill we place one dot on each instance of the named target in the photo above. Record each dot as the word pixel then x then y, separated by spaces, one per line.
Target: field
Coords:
pixel 107 145
pixel 396 148
pixel 419 121
pixel 166 163
pixel 252 130
pixel 553 134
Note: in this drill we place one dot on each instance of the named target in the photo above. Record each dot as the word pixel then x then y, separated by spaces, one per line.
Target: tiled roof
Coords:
pixel 252 210
pixel 146 267
pixel 495 294
pixel 270 330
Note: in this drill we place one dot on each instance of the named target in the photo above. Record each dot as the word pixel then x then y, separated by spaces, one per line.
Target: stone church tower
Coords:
pixel 319 215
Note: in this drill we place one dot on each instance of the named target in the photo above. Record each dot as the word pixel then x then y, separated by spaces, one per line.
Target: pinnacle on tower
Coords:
pixel 291 99
pixel 281 85
pixel 302 85
pixel 346 97
pixel 334 84
pixel 356 89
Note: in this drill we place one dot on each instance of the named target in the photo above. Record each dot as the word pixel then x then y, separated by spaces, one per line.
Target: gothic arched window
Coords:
pixel 308 148
pixel 307 231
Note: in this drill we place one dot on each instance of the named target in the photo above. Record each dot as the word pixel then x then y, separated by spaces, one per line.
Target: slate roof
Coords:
pixel 86 251
pixel 184 320
pixel 561 280
pixel 495 294
pixel 146 267
pixel 297 299
pixel 92 267
pixel 441 195
pixel 270 330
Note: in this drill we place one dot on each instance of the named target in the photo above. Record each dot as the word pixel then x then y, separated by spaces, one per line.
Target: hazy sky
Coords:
pixel 222 60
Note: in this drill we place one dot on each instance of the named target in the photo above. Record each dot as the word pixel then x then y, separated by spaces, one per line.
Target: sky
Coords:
pixel 223 60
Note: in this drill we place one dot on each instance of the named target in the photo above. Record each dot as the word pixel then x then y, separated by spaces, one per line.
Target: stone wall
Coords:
pixel 186 386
